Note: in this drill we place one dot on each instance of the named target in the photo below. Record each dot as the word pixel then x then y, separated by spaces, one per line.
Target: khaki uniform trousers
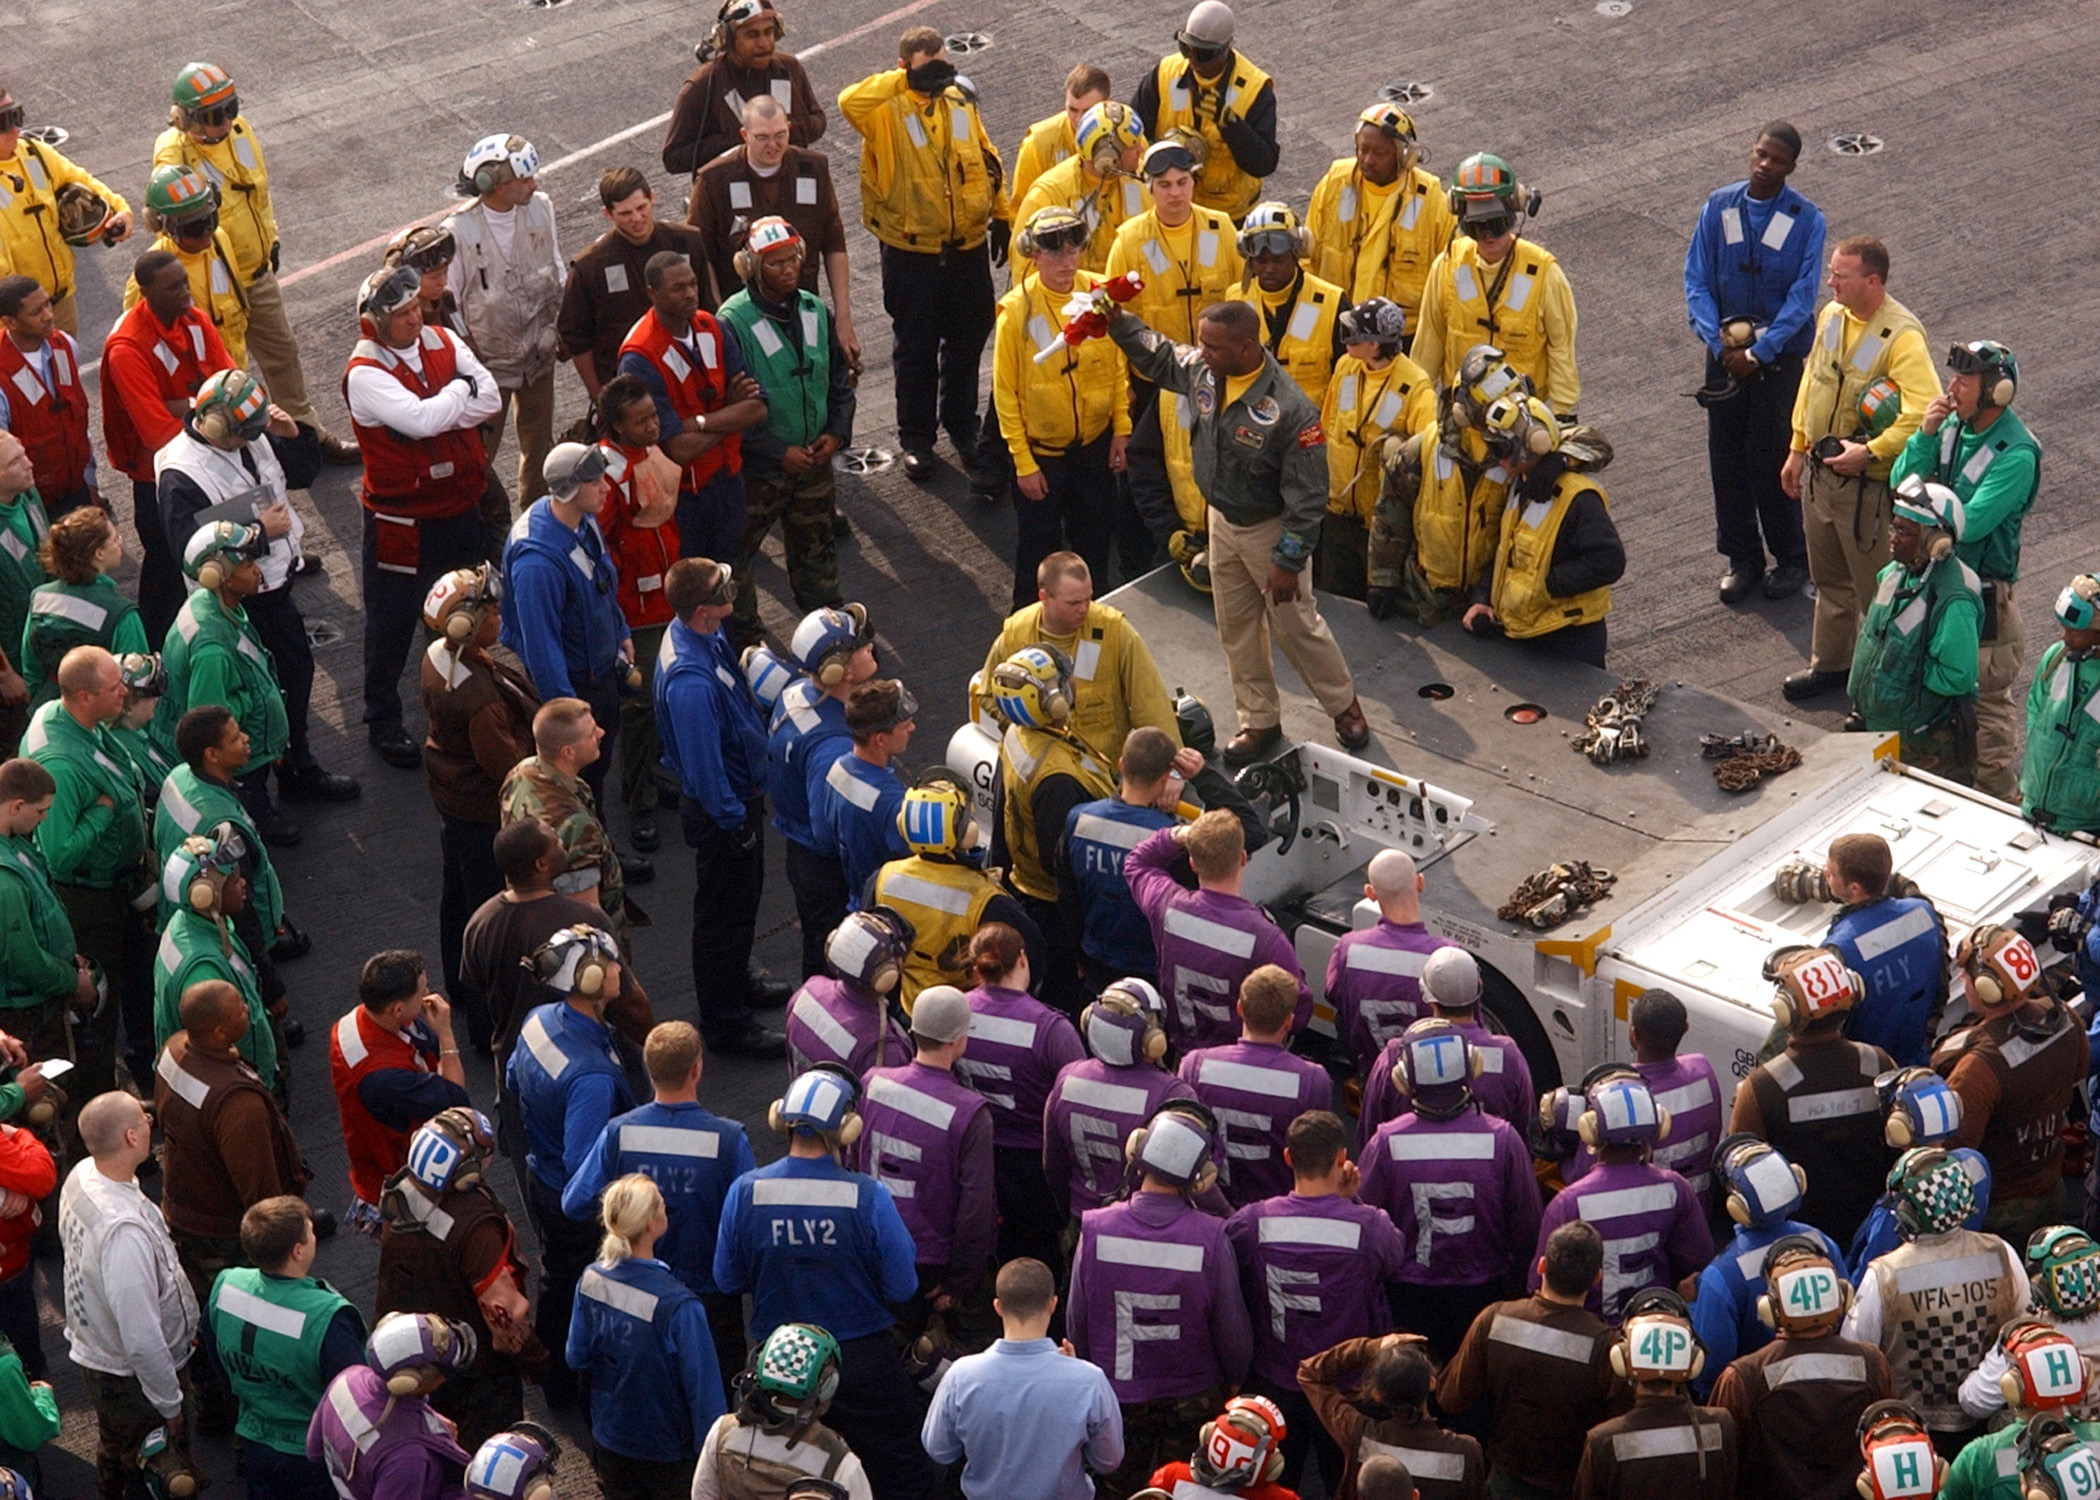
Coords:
pixel 1847 521
pixel 1247 617
pixel 66 313
pixel 1998 721
pixel 275 353
pixel 535 427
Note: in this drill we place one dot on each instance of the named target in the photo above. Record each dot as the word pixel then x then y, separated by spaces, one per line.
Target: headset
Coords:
pixel 2001 964
pixel 870 946
pixel 1921 1109
pixel 1810 984
pixel 516 1464
pixel 813 1487
pixel 2054 1462
pixel 427 247
pixel 1033 687
pixel 211 859
pixel 735 13
pixel 1052 227
pixel 1397 126
pixel 1934 507
pixel 1805 1294
pixel 1899 1460
pixel 230 403
pixel 810 1098
pixel 768 233
pixel 497 159
pixel 1994 363
pixel 937 815
pixel 1105 131
pixel 461 600
pixel 1241 1446
pixel 1485 376
pixel 1931 1192
pixel 450 1149
pixel 1521 424
pixel 411 1351
pixel 1427 1060
pixel 1763 1186
pixel 385 292
pixel 2043 1369
pixel 1194 1162
pixel 1618 1109
pixel 2063 1268
pixel 1271 228
pixel 1656 1341
pixel 768 675
pixel 1124 1020
pixel 826 641
pixel 2078 606
pixel 593 965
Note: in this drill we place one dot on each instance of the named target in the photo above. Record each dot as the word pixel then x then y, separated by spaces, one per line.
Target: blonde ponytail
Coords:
pixel 630 1206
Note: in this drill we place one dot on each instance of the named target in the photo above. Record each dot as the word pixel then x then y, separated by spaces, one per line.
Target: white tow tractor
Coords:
pixel 1473 769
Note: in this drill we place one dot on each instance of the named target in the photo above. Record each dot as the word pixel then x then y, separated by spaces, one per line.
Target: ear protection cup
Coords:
pixel 408 1382
pixel 203 895
pixel 590 978
pixel 211 575
pixel 2002 391
pixel 1207 1175
pixel 849 1123
pixel 459 625
pixel 1897 1132
pixel 214 426
pixel 1151 1045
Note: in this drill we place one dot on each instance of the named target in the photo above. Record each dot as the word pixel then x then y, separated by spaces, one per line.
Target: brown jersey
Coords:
pixel 227 1143
pixel 1445 1465
pixel 1815 1104
pixel 1796 1404
pixel 1664 1449
pixel 2015 1074
pixel 1541 1368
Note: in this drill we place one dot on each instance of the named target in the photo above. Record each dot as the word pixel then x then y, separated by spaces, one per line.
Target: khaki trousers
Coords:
pixel 1247 617
pixel 535 429
pixel 66 310
pixel 1847 521
pixel 274 352
pixel 1998 722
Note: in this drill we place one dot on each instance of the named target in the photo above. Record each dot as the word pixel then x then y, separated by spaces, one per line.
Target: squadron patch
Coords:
pixel 1311 436
pixel 1265 411
pixel 1206 399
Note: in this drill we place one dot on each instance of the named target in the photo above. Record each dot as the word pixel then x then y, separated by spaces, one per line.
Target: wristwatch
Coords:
pixel 701 420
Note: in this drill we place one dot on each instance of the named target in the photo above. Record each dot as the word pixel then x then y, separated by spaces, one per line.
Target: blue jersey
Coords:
pixel 692 1155
pixel 814 1243
pixel 1899 948
pixel 1755 259
pixel 853 808
pixel 808 734
pixel 569 1082
pixel 708 723
pixel 561 602
pixel 642 1336
pixel 1113 932
pixel 1724 1311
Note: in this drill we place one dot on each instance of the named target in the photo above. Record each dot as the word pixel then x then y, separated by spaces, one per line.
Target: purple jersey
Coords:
pixel 1255 1089
pixel 1374 983
pixel 831 1020
pixel 1687 1088
pixel 1654 1230
pixel 1017 1045
pixel 1313 1271
pixel 1155 1299
pixel 1093 1107
pixel 926 1136
pixel 1207 943
pixel 1503 1088
pixel 1460 1191
pixel 377 1444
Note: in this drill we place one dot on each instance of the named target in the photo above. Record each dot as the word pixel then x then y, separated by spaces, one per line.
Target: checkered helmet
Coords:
pixel 1932 1192
pixel 2063 1267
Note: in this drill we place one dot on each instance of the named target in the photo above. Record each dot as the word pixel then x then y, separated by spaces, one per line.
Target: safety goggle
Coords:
pixel 1201 52
pixel 215 114
pixel 907 709
pixel 1971 359
pixel 11 118
pixel 724 593
pixel 433 257
pixel 1490 228
pixel 200 226
pixel 1069 237
pixel 744 10
pixel 1268 242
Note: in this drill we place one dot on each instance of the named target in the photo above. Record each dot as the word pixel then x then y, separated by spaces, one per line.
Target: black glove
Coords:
pixel 472 388
pixel 2067 929
pixel 276 255
pixel 1382 603
pixel 1002 234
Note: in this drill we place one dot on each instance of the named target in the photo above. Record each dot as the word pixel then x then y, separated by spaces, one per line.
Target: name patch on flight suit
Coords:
pixel 1206 400
pixel 1247 437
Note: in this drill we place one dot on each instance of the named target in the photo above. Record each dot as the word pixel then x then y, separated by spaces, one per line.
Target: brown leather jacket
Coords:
pixel 480 706
pixel 228 1145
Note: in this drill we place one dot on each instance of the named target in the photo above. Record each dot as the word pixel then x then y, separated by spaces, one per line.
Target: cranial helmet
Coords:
pixel 1272 229
pixel 2044 1370
pixel 1033 687
pixel 790 1379
pixel 412 1351
pixel 183 196
pixel 2063 1269
pixel 1106 131
pixel 458 602
pixel 495 160
pixel 768 674
pixel 1122 1025
pixel 1763 1186
pixel 1485 376
pixel 1896 1450
pixel 870 948
pixel 1932 1192
pixel 1810 985
pixel 822 1102
pixel 936 817
pixel 450 1149
pixel 1919 1108
pixel 230 404
pixel 1804 1294
pixel 1619 1109
pixel 1242 1447
pixel 577 960
pixel 1436 1067
pixel 1656 1341
pixel 826 641
pixel 516 1464
pixel 1178 1145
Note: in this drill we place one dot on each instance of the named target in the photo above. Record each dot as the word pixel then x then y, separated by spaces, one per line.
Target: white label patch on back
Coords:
pixel 740 195
pixel 1732 225
pixel 615 278
pixel 806 191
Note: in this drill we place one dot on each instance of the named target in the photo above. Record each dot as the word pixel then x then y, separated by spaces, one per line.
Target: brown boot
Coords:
pixel 1350 728
pixel 335 450
pixel 1251 745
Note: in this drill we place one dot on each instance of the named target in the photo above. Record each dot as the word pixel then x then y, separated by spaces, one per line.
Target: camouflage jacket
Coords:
pixel 535 790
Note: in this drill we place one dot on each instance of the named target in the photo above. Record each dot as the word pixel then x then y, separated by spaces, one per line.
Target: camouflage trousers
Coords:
pixel 1156 1433
pixel 803 508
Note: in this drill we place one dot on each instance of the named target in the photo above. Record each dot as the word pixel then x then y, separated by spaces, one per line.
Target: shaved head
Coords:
pixel 213 1012
pixel 1392 873
pixel 85 669
pixel 105 1118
